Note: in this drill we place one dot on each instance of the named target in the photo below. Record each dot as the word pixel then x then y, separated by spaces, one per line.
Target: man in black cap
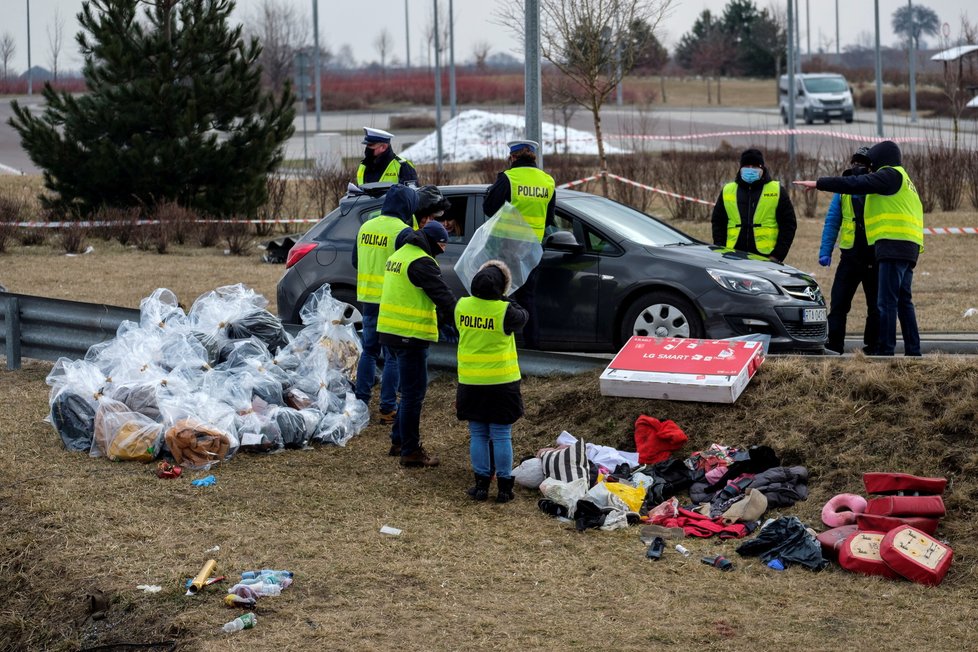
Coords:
pixel 532 191
pixel 380 163
pixel 754 212
pixel 413 302
pixel 857 261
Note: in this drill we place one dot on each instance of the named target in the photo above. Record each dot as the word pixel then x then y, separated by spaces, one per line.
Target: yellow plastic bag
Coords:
pixel 631 496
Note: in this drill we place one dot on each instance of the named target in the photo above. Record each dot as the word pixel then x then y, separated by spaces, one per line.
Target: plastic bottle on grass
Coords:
pixel 244 621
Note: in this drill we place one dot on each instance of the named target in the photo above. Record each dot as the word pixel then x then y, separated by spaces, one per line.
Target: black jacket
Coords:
pixel 375 168
pixel 500 192
pixel 882 182
pixel 748 196
pixel 425 274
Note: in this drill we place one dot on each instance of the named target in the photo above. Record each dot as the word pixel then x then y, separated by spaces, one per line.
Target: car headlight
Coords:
pixel 743 283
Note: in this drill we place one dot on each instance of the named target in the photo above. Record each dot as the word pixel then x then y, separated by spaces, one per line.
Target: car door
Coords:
pixel 568 286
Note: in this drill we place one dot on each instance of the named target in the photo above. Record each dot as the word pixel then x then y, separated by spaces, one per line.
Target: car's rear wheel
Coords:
pixel 661 314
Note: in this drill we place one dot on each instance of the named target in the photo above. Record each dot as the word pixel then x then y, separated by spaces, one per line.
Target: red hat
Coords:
pixel 655 439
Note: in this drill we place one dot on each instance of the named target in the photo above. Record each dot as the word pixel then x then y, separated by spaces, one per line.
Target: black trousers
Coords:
pixel 853 270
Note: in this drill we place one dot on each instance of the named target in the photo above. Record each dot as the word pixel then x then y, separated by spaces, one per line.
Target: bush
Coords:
pixel 73 238
pixel 971 175
pixel 237 235
pixel 208 232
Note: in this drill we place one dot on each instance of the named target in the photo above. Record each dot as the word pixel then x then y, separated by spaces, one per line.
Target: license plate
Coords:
pixel 835 112
pixel 812 315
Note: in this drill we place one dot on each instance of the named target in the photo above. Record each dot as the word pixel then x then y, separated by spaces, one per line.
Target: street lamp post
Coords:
pixel 317 68
pixel 913 67
pixel 879 74
pixel 437 89
pixel 532 89
pixel 407 37
pixel 30 73
pixel 451 58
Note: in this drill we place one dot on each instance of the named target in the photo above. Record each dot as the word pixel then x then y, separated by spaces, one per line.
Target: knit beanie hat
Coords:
pixel 655 439
pixel 752 157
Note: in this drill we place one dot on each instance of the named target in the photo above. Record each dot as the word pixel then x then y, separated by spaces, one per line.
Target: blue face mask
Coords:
pixel 750 175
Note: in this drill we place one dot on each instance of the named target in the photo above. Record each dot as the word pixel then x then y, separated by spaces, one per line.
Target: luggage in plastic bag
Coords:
pixel 76 388
pixel 235 312
pixel 161 310
pixel 340 427
pixel 505 236
pixel 327 328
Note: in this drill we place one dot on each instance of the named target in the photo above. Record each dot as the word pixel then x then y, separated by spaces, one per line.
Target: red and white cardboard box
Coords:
pixel 677 369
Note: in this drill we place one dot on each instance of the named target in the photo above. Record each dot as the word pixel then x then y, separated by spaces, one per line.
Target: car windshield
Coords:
pixel 826 85
pixel 626 222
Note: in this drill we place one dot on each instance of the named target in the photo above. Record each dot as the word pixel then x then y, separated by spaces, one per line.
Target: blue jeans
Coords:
pixel 895 300
pixel 412 367
pixel 496 437
pixel 367 366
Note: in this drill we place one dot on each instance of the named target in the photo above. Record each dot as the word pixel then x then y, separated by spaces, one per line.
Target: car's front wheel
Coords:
pixel 661 314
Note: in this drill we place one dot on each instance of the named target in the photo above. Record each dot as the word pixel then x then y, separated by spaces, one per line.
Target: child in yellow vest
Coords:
pixel 489 395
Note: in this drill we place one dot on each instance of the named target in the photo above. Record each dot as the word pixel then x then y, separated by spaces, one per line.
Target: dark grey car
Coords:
pixel 608 271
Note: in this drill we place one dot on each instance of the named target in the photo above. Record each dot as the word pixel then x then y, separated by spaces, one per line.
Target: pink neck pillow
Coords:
pixel 842 509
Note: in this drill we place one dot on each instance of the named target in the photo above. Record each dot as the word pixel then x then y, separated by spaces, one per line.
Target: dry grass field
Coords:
pixel 465 576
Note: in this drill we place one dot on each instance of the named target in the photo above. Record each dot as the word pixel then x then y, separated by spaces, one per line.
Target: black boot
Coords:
pixel 504 490
pixel 479 491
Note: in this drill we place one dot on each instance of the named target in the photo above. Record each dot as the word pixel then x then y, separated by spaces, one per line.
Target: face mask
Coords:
pixel 368 153
pixel 750 175
pixel 858 169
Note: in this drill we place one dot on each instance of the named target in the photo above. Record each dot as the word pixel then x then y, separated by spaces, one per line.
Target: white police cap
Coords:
pixel 516 145
pixel 373 136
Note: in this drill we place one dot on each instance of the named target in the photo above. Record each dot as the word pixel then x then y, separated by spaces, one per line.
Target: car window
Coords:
pixel 596 243
pixel 454 218
pixel 626 222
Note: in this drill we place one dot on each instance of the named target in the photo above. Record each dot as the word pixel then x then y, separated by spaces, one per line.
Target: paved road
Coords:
pixel 624 127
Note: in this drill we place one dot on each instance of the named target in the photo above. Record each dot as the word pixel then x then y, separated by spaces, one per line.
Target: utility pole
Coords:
pixel 437 89
pixel 792 93
pixel 913 67
pixel 619 99
pixel 532 90
pixel 30 74
pixel 317 70
pixel 808 28
pixel 407 37
pixel 797 36
pixel 451 57
pixel 837 28
pixel 879 74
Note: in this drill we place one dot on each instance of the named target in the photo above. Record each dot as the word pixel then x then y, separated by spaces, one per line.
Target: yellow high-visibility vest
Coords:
pixel 530 190
pixel 486 354
pixel 375 244
pixel 765 216
pixel 405 309
pixel 895 217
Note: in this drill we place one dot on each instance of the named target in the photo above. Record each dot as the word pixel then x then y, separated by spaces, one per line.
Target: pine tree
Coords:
pixel 174 112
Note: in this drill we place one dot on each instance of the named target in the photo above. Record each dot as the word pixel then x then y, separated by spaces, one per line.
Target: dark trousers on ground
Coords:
pixel 896 302
pixel 412 368
pixel 853 271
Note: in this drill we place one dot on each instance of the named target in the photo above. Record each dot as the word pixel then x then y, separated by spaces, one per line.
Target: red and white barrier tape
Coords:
pixel 88 224
pixel 950 230
pixel 659 190
pixel 764 132
pixel 577 182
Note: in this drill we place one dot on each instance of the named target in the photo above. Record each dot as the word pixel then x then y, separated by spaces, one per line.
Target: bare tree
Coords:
pixel 583 39
pixel 384 43
pixel 282 31
pixel 7 49
pixel 480 52
pixel 56 41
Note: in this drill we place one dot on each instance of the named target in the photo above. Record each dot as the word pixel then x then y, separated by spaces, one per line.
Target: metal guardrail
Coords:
pixel 48 329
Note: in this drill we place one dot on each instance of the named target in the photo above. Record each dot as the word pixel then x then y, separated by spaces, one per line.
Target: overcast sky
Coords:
pixel 345 22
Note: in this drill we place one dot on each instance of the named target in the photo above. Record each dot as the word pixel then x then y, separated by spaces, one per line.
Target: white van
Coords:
pixel 821 96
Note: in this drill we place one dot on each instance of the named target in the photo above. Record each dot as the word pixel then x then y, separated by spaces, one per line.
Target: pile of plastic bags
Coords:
pixel 202 385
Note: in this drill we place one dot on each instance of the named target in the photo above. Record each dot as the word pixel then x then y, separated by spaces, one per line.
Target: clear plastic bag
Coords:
pixel 340 427
pixel 161 310
pixel 505 236
pixel 235 312
pixel 121 434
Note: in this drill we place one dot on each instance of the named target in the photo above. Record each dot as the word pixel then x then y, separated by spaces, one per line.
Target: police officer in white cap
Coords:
pixel 380 163
pixel 532 191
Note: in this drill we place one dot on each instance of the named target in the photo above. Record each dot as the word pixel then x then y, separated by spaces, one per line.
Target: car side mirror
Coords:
pixel 563 241
pixel 801 93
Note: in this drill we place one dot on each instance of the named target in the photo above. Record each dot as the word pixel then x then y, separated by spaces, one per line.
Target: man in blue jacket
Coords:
pixel 857 261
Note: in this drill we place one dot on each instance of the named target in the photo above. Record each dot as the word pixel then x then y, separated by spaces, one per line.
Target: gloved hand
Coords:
pixel 825 261
pixel 204 482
